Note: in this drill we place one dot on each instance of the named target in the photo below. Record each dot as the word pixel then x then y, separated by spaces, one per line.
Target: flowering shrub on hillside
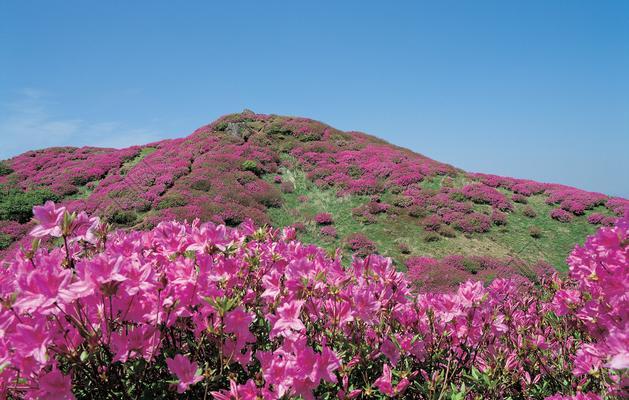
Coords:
pixel 595 218
pixel 207 310
pixel 62 169
pixel 529 211
pixel 498 218
pixel 328 230
pixel 287 187
pixel 474 222
pixel 487 195
pixel 324 219
pixel 619 206
pixel 519 198
pixel 360 244
pixel 575 200
pixel 561 215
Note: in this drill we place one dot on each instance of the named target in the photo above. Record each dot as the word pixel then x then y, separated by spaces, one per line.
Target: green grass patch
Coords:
pixel 5 169
pixel 84 191
pixel 128 165
pixel 17 205
pixel 390 230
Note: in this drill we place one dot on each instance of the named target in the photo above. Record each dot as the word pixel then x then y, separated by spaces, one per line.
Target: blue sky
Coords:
pixel 535 90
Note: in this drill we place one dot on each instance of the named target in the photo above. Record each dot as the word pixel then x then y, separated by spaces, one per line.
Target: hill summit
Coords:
pixel 338 189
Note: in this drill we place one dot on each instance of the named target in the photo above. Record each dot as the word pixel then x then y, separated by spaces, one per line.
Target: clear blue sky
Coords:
pixel 536 89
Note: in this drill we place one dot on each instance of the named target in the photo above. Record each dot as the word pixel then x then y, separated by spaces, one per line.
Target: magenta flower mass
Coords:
pixel 247 312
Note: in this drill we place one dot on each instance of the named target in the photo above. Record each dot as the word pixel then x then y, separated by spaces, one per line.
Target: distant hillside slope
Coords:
pixel 338 189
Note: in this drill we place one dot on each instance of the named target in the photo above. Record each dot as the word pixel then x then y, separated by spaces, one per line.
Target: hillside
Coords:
pixel 338 189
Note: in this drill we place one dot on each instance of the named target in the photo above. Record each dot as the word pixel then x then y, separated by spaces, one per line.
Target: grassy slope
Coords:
pixel 513 239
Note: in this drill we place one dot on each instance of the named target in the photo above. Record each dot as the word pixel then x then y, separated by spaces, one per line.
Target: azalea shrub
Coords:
pixel 203 310
pixel 328 230
pixel 561 215
pixel 360 244
pixel 324 219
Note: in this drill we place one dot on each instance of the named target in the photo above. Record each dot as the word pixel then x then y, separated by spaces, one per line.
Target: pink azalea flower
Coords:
pixel 317 367
pixel 186 371
pixel 618 344
pixel 326 364
pixel 142 341
pixel 55 386
pixel 384 382
pixel 83 228
pixel 49 219
pixel 32 340
pixel 471 293
pixel 366 304
pixel 286 319
pixel 237 322
pixel 390 350
pixel 248 391
pixel 102 273
pixel 45 288
pixel 209 236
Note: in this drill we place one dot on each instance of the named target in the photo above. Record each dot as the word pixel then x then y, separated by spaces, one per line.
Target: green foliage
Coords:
pixel 16 205
pixel 202 184
pixel 170 201
pixel 355 171
pixel 5 169
pixel 472 265
pixel 124 217
pixel 251 165
pixel 430 237
pixel 127 166
pixel 5 241
pixel 84 191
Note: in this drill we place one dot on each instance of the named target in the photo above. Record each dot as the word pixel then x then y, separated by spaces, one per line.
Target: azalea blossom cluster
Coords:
pixel 248 313
pixel 570 199
pixel 561 215
pixel 598 218
pixel 324 219
pixel 64 169
pixel 598 296
pixel 484 194
pixel 450 207
pixel 366 167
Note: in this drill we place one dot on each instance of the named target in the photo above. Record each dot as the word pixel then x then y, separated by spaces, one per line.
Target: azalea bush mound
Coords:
pixel 203 310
